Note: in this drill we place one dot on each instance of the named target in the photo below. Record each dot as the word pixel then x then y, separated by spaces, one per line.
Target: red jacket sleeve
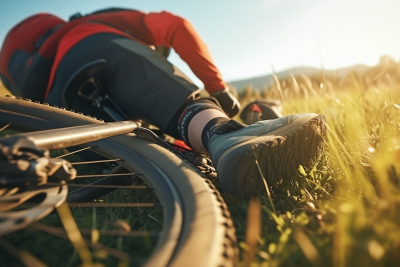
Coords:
pixel 173 31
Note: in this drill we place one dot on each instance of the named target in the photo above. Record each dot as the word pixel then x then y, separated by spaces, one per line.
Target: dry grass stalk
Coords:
pixel 278 85
pixel 253 230
pixel 307 247
pixel 74 235
pixel 265 182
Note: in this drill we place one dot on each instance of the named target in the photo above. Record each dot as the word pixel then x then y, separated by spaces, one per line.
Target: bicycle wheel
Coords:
pixel 197 229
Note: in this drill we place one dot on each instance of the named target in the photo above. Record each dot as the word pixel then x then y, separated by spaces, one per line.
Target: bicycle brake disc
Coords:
pixel 42 202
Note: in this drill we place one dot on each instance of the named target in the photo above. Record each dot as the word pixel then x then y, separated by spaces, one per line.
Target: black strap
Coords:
pixel 112 9
pixel 76 15
pixel 45 36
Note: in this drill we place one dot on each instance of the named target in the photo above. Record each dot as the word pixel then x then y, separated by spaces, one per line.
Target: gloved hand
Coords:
pixel 228 102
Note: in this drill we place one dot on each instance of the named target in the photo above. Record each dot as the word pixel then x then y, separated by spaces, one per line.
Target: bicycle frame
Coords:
pixel 72 136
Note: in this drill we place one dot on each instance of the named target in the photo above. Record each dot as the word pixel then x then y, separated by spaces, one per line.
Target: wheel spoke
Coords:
pixel 104 186
pixel 73 152
pixel 114 205
pixel 88 231
pixel 96 161
pixel 103 175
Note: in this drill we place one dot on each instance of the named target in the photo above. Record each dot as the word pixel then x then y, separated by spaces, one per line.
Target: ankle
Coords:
pixel 194 118
pixel 219 126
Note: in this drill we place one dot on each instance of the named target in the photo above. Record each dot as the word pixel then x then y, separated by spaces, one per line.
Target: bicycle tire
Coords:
pixel 205 237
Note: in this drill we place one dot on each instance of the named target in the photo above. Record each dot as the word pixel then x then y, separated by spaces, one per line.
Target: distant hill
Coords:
pixel 260 82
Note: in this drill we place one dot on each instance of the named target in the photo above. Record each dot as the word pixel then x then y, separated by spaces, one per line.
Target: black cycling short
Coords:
pixel 141 81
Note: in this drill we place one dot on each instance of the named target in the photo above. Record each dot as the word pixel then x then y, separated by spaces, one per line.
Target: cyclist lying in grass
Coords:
pixel 40 54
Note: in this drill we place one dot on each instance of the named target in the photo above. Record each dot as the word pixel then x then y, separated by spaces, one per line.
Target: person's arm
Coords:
pixel 176 32
pixel 173 31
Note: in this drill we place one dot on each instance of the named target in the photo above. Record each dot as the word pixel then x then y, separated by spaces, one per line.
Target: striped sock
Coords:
pixel 217 125
pixel 189 112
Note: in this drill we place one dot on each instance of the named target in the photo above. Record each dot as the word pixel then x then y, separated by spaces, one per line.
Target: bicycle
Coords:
pixel 197 228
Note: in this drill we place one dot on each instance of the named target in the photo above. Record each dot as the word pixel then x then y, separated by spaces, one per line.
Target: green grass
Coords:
pixel 55 251
pixel 345 211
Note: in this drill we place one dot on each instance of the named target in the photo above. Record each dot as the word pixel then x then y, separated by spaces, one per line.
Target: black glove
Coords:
pixel 228 102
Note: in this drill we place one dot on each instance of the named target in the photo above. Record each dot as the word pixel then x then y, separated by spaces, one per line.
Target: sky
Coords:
pixel 247 38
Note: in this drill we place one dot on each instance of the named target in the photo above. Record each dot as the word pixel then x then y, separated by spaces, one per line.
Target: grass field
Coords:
pixel 345 211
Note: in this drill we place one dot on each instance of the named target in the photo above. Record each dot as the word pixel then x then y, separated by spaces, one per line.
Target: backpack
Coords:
pixel 21 65
pixel 25 63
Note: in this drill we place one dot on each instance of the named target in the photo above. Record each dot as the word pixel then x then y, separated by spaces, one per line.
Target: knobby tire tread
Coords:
pixel 220 249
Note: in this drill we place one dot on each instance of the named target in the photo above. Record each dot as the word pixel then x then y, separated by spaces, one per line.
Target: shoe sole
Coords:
pixel 279 154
